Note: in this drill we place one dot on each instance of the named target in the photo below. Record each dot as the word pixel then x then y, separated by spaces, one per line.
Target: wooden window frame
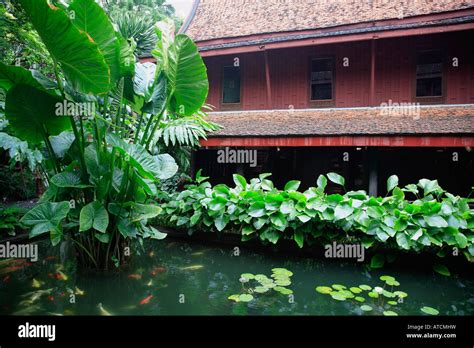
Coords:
pixel 327 102
pixel 231 106
pixel 430 99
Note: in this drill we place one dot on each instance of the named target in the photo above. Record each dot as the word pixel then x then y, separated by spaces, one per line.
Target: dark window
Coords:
pixel 231 90
pixel 321 78
pixel 429 67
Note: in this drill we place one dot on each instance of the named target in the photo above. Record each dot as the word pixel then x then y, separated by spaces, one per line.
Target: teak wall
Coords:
pixel 394 73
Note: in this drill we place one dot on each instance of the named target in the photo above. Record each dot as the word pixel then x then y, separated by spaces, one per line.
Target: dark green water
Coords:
pixel 195 279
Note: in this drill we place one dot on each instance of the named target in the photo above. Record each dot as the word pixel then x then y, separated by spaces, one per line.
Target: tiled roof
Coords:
pixel 215 19
pixel 431 120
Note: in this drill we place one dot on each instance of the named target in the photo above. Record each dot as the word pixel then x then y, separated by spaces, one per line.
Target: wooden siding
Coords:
pixel 394 73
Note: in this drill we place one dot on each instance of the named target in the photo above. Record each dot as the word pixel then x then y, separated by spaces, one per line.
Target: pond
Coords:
pixel 176 277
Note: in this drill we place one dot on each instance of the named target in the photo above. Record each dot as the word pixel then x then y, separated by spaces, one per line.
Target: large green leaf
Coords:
pixel 14 75
pixel 137 156
pixel 68 179
pixel 93 215
pixel 167 166
pixel 79 56
pixel 336 178
pixel 143 78
pixel 45 217
pixel 89 17
pixel 62 143
pixel 187 77
pixel 31 111
pixel 145 211
pixel 156 99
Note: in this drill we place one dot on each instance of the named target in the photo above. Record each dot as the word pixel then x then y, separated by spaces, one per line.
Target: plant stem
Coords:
pixel 140 120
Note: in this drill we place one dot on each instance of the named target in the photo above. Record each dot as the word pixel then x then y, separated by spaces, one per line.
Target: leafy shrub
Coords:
pixel 9 220
pixel 434 220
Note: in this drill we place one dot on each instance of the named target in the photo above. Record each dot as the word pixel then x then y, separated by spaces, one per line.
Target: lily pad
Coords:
pixel 283 290
pixel 247 275
pixel 386 278
pixel 355 290
pixel 283 282
pixel 390 313
pixel 245 298
pixel 365 287
pixel 261 289
pixel 429 310
pixel 323 289
pixel 338 296
pixel 338 287
pixel 400 294
pixel 373 294
pixel 366 308
pixel 234 298
pixel 392 303
pixel 359 299
pixel 282 271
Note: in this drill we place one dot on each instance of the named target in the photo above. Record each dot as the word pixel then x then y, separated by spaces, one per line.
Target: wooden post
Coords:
pixel 372 72
pixel 268 81
pixel 373 171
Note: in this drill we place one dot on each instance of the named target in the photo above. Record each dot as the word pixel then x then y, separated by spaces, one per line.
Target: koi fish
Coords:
pixel 135 276
pixel 151 254
pixel 61 276
pixel 191 268
pixel 102 310
pixel 157 270
pixel 150 283
pixel 28 310
pixel 36 283
pixel 146 300
pixel 56 314
pixel 51 298
pixel 35 295
pixel 79 292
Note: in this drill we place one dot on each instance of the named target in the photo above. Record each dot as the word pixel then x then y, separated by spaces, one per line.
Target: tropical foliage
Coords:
pixel 9 220
pixel 98 121
pixel 434 220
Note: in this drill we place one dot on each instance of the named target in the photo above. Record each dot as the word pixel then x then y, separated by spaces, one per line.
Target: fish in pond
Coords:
pixel 36 283
pixel 151 254
pixel 150 283
pixel 78 291
pixel 127 308
pixel 51 298
pixel 61 276
pixel 102 310
pixel 135 276
pixel 146 300
pixel 198 253
pixel 28 310
pixel 10 269
pixel 55 314
pixel 191 268
pixel 33 296
pixel 157 270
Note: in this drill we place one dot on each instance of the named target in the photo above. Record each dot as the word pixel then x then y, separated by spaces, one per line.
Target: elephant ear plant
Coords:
pixel 97 122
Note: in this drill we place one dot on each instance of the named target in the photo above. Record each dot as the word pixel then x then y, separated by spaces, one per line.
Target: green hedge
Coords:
pixel 434 220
